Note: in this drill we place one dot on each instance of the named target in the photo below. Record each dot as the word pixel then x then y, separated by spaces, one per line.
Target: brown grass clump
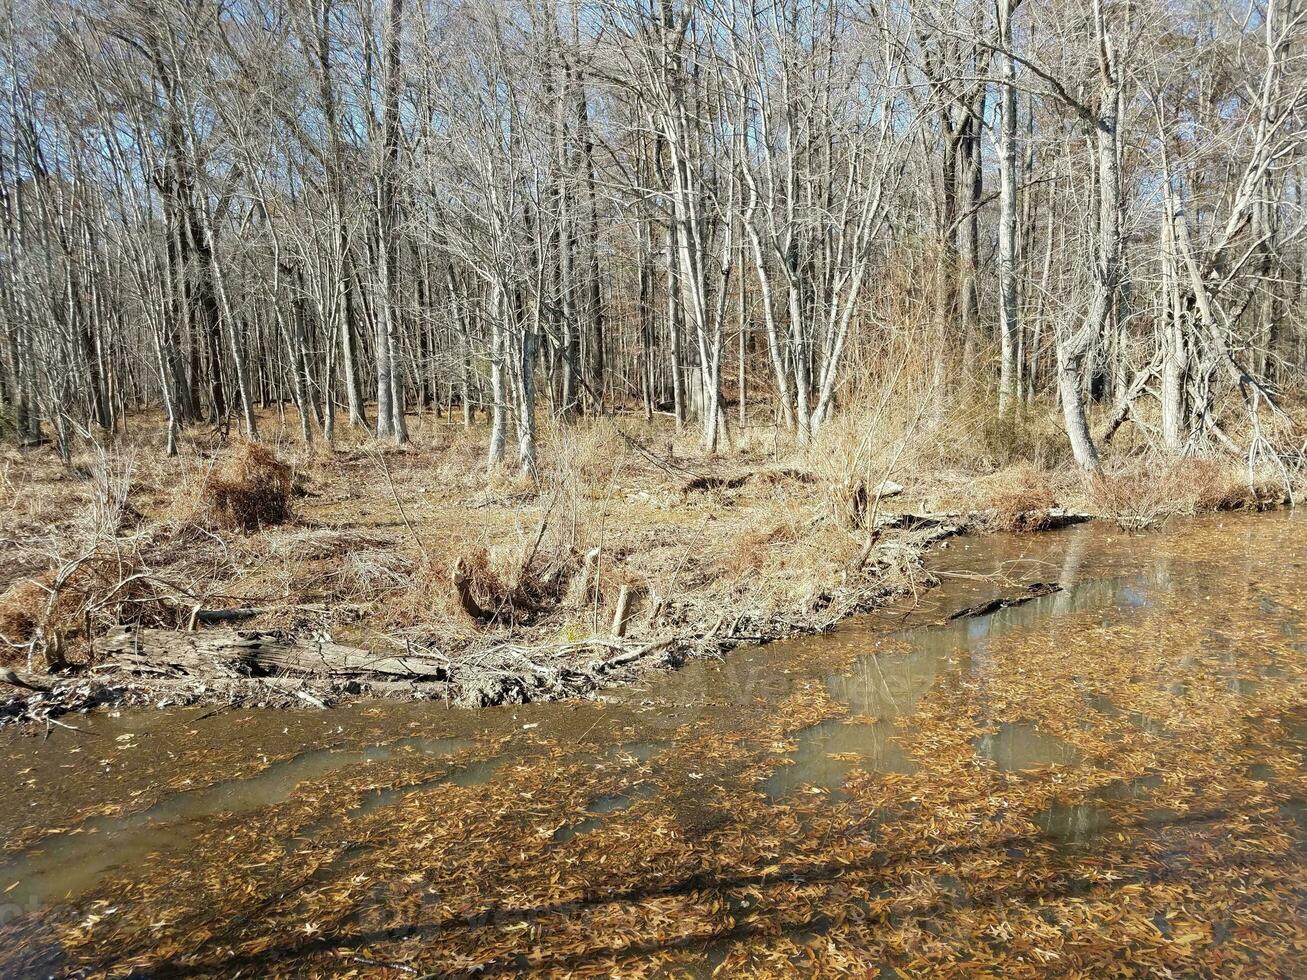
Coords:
pixel 514 582
pixel 1019 497
pixel 1147 491
pixel 22 609
pixel 751 551
pixel 417 595
pixel 588 457
pixel 483 594
pixel 252 489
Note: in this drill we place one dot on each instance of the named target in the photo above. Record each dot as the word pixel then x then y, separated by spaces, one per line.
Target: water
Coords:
pixel 67 865
pixel 828 751
pixel 599 808
pixel 1111 773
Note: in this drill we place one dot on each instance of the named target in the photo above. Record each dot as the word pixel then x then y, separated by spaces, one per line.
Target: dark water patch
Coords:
pixel 1018 746
pixel 474 774
pixel 1132 597
pixel 1244 686
pixel 1079 823
pixel 599 808
pixel 1130 789
pixel 1075 823
pixel 829 751
pixel 67 865
pixel 1105 706
pixel 891 685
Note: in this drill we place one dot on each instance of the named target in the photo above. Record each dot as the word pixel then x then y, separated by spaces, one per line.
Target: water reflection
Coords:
pixel 599 808
pixel 934 807
pixel 880 688
pixel 828 752
pixel 1079 823
pixel 1019 745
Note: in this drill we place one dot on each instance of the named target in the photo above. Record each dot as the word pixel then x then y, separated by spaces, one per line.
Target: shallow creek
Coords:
pixel 1110 772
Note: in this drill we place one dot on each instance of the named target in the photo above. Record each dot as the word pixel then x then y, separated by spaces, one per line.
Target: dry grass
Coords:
pixel 762 545
pixel 375 546
pixel 1018 498
pixel 1145 491
pixel 52 619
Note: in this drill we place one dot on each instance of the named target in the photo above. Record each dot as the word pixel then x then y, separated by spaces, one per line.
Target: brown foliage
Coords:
pixel 62 609
pixel 512 583
pixel 1150 490
pixel 252 489
pixel 1019 496
pixel 751 551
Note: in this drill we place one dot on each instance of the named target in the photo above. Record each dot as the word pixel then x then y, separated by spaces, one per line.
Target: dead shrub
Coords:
pixel 57 614
pixel 751 551
pixel 110 512
pixel 461 459
pixel 966 433
pixel 507 487
pixel 784 477
pixel 513 582
pixel 1215 485
pixel 590 454
pixel 252 489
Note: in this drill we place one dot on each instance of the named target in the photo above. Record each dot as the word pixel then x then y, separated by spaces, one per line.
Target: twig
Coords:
pixel 390 484
pixel 401 967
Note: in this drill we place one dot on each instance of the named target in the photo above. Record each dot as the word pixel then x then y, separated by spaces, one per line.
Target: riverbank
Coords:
pixel 283 577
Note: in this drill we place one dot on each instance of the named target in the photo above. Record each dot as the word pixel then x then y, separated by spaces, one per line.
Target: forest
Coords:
pixel 558 488
pixel 732 214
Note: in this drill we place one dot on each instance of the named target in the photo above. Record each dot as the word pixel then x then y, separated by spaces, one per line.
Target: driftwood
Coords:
pixel 228 653
pixel 211 617
pixel 248 665
pixel 27 681
pixel 1033 591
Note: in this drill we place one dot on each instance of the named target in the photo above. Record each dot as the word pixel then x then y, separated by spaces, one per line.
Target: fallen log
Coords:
pixel 1033 591
pixel 211 617
pixel 630 656
pixel 232 653
pixel 26 681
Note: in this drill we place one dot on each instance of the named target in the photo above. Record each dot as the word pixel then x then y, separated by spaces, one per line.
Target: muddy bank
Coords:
pixel 223 665
pixel 233 667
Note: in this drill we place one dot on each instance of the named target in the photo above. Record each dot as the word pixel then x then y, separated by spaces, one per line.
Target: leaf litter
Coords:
pixel 1167 836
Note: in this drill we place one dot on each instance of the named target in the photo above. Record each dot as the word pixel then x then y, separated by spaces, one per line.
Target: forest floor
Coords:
pixel 289 576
